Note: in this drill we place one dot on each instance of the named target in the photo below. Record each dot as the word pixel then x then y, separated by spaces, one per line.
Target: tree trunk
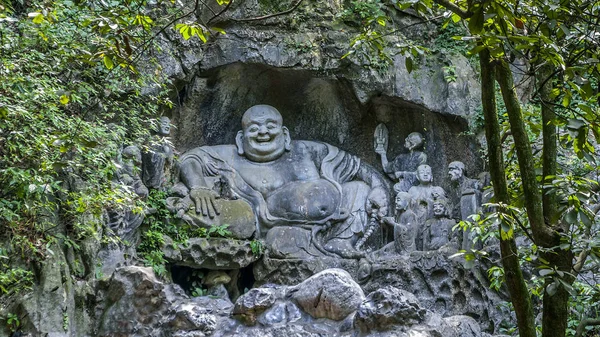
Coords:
pixel 555 307
pixel 513 275
pixel 531 187
pixel 550 142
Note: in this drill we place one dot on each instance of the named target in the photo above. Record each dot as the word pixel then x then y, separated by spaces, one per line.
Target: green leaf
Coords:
pixel 455 18
pixel 219 30
pixel 546 272
pixel 108 62
pixel 571 216
pixel 476 21
pixel 554 93
pixel 408 62
pixel 381 21
pixel 64 99
pixel 37 17
pixel 552 288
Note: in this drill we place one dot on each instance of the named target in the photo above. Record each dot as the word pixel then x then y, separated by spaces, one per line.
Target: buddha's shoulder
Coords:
pixel 309 145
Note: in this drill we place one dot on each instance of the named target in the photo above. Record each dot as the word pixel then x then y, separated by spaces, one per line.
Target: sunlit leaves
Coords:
pixel 188 30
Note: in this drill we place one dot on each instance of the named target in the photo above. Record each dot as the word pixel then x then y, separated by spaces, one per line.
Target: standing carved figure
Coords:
pixel 469 191
pixel 402 168
pixel 123 222
pixel 158 157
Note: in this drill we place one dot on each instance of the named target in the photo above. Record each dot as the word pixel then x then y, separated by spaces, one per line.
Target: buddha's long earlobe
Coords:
pixel 239 142
pixel 288 139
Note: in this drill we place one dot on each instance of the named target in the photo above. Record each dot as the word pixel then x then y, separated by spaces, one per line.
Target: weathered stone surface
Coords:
pixel 441 284
pixel 281 313
pixel 136 303
pixel 290 272
pixel 387 307
pixel 464 326
pixel 329 294
pixel 210 253
pixel 253 303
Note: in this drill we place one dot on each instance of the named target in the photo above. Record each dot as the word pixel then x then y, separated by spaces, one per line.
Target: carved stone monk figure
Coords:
pixel 403 167
pixel 469 191
pixel 437 230
pixel 309 198
pixel 157 157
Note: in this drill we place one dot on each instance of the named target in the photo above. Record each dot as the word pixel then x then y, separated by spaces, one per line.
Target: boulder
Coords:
pixel 331 294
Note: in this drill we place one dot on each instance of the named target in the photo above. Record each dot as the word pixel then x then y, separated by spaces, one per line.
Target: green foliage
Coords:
pixel 218 231
pixel 13 279
pixel 199 291
pixel 257 247
pixel 13 323
pixel 70 99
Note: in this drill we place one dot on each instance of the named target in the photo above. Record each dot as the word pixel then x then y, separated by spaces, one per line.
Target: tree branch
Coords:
pixel 296 5
pixel 586 322
pixel 221 12
pixel 454 8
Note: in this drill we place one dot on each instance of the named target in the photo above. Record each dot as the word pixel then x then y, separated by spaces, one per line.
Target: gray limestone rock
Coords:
pixel 136 303
pixel 253 303
pixel 214 253
pixel 387 307
pixel 331 294
pixel 282 313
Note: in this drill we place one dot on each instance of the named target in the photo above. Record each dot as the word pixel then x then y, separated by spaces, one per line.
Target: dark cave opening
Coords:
pixel 200 281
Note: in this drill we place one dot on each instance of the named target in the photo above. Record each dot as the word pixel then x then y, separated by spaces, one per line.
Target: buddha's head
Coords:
pixel 456 170
pixel 263 138
pixel 424 174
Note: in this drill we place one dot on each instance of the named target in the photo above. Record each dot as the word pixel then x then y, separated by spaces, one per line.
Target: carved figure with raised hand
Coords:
pixel 437 230
pixel 402 168
pixel 309 198
pixel 158 157
pixel 469 191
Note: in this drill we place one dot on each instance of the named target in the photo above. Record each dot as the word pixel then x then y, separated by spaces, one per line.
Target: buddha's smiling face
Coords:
pixel 263 137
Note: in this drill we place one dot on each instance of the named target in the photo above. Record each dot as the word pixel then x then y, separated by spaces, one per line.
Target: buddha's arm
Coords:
pixel 191 175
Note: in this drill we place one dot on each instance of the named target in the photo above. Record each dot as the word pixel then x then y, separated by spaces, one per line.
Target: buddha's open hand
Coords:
pixel 204 199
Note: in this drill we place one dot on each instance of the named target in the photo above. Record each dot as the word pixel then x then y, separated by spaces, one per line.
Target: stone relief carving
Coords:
pixel 437 230
pixel 158 157
pixel 123 222
pixel 402 168
pixel 309 198
pixel 469 191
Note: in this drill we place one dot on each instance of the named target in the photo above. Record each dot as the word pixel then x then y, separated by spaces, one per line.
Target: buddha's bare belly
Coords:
pixel 312 200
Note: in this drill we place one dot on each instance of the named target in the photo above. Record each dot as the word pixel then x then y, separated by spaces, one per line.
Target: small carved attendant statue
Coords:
pixel 403 167
pixel 158 157
pixel 437 230
pixel 424 193
pixel 405 226
pixel 469 191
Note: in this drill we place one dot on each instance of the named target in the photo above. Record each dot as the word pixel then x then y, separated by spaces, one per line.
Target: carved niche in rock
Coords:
pixel 309 199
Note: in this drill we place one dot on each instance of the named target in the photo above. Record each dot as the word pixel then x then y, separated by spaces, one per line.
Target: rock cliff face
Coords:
pixel 292 62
